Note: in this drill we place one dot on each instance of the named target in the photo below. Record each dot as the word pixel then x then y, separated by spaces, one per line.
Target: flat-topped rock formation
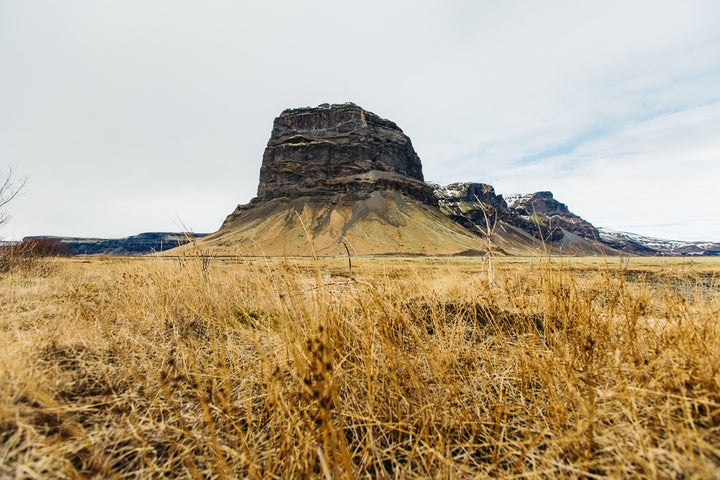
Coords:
pixel 335 149
pixel 339 174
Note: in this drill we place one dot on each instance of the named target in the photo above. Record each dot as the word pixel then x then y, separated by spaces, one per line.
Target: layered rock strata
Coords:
pixel 334 149
pixel 555 217
pixel 337 174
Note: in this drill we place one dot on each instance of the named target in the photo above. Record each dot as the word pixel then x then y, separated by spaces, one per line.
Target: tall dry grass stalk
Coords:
pixel 258 368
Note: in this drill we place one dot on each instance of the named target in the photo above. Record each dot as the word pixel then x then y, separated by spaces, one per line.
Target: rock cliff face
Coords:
pixel 542 208
pixel 539 215
pixel 338 174
pixel 335 149
pixel 472 205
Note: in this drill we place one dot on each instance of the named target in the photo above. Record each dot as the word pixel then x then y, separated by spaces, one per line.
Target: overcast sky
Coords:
pixel 132 116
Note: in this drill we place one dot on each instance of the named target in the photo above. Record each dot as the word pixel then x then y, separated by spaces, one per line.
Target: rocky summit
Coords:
pixel 337 176
pixel 529 219
pixel 334 149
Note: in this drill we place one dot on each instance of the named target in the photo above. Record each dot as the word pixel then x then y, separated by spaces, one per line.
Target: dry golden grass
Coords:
pixel 409 368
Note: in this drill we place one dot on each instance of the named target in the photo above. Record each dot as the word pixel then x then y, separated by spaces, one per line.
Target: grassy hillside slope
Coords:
pixel 385 223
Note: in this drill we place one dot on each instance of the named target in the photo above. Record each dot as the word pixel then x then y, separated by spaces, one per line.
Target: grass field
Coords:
pixel 401 368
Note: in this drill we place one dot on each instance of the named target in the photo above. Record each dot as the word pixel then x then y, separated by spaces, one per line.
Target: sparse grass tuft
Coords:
pixel 416 368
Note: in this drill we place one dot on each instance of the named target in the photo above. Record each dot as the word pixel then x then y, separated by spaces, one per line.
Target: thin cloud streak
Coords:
pixel 654 176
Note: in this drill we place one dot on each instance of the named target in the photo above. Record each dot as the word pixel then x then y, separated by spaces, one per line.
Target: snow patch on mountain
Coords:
pixel 659 245
pixel 514 199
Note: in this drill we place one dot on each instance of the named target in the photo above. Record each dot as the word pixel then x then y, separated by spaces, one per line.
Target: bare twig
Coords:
pixel 11 187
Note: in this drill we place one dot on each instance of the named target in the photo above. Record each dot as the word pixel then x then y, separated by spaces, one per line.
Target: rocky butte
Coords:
pixel 338 176
pixel 335 176
pixel 336 149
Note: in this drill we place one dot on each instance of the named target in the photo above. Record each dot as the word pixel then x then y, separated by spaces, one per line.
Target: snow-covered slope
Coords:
pixel 632 242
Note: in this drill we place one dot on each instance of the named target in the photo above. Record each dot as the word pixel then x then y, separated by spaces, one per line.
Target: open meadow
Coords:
pixel 202 367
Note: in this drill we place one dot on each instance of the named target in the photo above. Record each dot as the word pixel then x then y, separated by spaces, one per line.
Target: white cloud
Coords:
pixel 125 107
pixel 656 176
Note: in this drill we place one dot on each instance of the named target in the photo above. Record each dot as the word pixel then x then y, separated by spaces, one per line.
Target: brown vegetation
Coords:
pixel 202 368
pixel 26 254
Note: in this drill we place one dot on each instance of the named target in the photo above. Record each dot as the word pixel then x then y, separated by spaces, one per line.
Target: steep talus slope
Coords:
pixel 385 222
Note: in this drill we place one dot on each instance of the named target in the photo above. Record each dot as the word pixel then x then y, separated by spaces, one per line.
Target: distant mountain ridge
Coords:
pixel 544 221
pixel 140 244
pixel 540 215
pixel 633 242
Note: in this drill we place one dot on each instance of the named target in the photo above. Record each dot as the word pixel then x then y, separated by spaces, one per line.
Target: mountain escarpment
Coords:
pixel 335 176
pixel 339 149
pixel 537 219
pixel 338 176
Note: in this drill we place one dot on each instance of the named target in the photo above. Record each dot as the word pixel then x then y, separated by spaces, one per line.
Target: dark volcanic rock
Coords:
pixel 339 149
pixel 140 244
pixel 456 193
pixel 540 209
pixel 473 205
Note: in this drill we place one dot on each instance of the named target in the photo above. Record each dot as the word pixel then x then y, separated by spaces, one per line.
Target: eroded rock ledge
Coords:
pixel 334 149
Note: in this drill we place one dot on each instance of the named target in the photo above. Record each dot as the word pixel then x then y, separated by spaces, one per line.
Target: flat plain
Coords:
pixel 384 367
